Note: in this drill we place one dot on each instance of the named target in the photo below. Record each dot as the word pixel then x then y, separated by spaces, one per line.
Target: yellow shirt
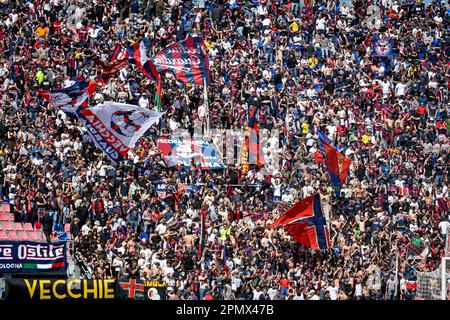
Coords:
pixel 305 127
pixel 365 139
pixel 313 61
pixel 412 71
pixel 225 233
pixel 78 55
pixel 42 32
pixel 294 26
pixel 40 76
pixel 208 45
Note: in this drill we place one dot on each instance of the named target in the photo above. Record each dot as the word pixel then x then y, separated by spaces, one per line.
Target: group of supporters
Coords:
pixel 304 66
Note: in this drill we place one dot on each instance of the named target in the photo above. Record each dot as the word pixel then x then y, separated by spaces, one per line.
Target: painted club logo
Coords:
pixel 383 46
pixel 127 123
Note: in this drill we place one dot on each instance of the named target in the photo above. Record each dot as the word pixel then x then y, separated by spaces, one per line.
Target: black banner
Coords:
pixel 61 289
pixel 33 257
pixel 155 290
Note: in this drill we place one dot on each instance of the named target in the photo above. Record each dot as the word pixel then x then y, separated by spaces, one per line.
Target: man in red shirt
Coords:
pixel 208 296
pixel 284 285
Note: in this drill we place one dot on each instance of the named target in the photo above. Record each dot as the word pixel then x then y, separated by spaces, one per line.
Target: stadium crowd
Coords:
pixel 307 65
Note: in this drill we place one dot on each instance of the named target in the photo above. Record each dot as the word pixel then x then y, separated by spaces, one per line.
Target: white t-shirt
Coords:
pixel 358 290
pixel 272 292
pixel 443 227
pixel 333 292
pixel 161 229
pixel 400 89
pixel 257 294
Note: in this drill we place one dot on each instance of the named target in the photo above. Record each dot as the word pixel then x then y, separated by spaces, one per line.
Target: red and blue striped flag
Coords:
pixel 138 53
pixel 119 53
pixel 187 60
pixel 337 164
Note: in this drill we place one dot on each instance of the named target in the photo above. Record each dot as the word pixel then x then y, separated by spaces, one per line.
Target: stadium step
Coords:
pixel 8 226
pixel 28 227
pixel 12 235
pixel 5 208
pixel 22 235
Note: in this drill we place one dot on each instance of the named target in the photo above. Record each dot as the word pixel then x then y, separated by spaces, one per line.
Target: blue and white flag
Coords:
pixel 116 127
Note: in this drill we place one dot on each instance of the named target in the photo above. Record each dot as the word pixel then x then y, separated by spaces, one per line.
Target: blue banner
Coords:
pixel 382 47
pixel 165 190
pixel 32 257
pixel 179 150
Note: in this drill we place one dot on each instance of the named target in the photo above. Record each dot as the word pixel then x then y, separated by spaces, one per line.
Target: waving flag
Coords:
pixel 119 53
pixel 138 52
pixel 186 59
pixel 306 223
pixel 337 164
pixel 110 68
pixel 158 95
pixel 253 145
pixel 70 98
pixel 116 127
pixel 165 190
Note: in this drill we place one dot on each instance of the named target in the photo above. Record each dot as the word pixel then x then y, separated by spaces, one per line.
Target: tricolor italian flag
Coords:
pixel 158 96
pixel 43 265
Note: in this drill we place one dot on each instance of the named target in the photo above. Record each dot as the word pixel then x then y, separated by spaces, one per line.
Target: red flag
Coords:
pixel 336 163
pixel 318 158
pixel 109 68
pixel 306 223
pixel 303 208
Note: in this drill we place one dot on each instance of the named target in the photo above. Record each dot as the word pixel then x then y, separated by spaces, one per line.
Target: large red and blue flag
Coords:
pixel 306 223
pixel 187 60
pixel 337 164
pixel 138 54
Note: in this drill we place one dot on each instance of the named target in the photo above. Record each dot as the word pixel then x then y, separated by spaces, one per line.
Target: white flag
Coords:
pixel 116 127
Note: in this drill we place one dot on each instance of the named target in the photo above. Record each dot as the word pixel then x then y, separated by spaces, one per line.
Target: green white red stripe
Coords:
pixel 43 265
pixel 158 96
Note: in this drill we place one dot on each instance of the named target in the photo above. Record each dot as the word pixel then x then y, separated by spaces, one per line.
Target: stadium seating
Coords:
pixel 3 235
pixel 22 235
pixel 12 235
pixel 34 236
pixel 8 226
pixel 5 208
pixel 28 227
